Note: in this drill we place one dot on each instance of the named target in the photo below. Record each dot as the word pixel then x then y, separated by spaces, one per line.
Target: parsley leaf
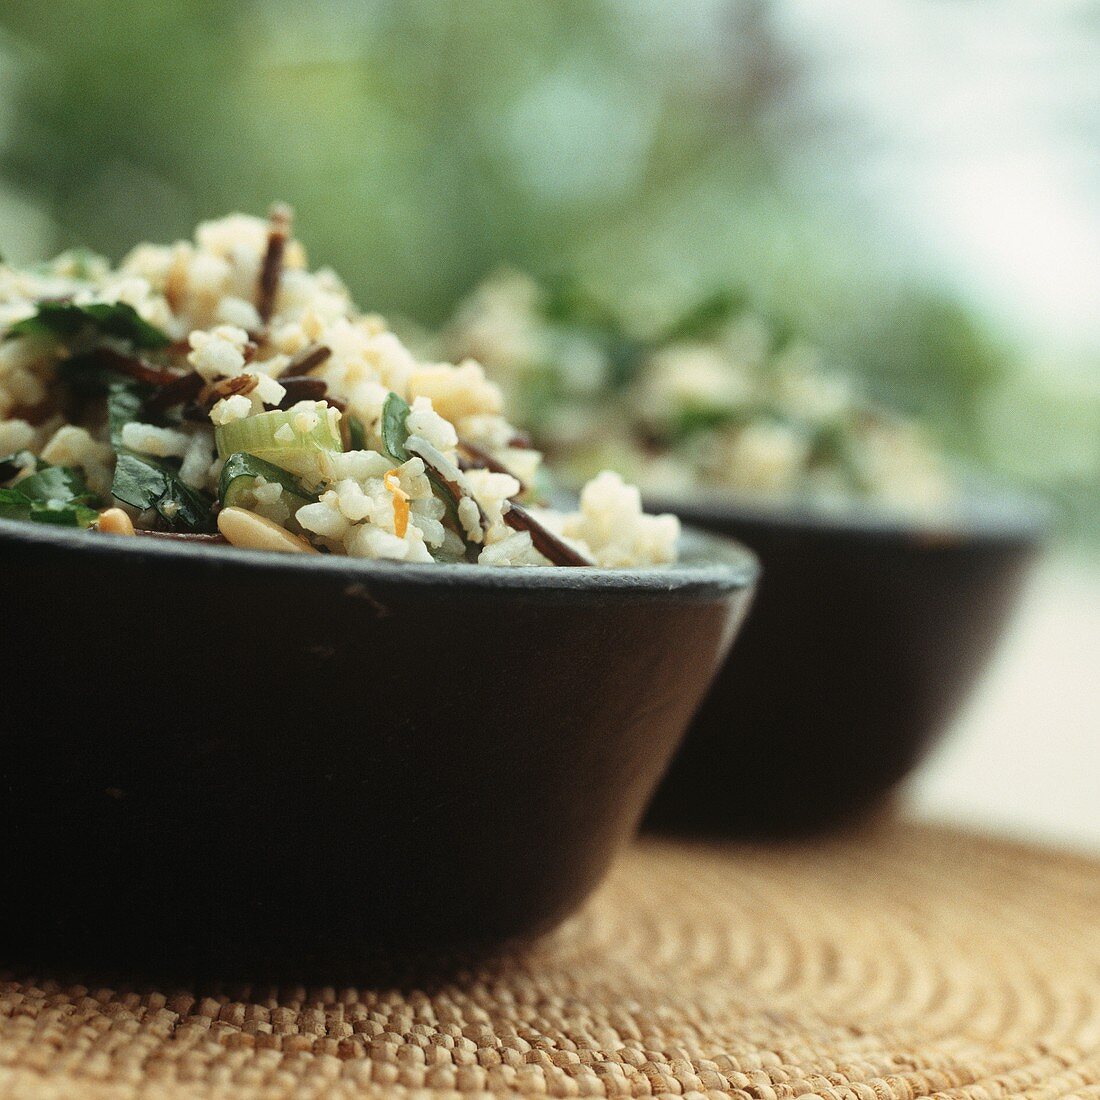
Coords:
pixel 394 429
pixel 67 320
pixel 705 317
pixel 53 494
pixel 145 482
pixel 357 433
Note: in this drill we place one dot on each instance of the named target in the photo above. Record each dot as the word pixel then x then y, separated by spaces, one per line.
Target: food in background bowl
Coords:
pixel 219 391
pixel 716 399
pixel 885 584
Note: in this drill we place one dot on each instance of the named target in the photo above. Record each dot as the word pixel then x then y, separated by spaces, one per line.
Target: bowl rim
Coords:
pixel 710 563
pixel 983 515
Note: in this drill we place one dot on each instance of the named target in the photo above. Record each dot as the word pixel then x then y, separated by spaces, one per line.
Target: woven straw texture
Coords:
pixel 908 963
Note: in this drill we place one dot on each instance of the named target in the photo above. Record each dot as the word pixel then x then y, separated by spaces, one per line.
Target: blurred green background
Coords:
pixel 658 151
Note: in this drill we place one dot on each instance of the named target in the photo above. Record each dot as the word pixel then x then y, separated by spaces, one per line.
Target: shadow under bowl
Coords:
pixel 866 633
pixel 221 761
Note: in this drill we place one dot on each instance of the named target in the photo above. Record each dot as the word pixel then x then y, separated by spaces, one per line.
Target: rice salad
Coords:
pixel 715 398
pixel 219 390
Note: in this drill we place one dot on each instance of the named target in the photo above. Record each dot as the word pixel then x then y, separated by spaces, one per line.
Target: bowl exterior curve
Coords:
pixel 204 764
pixel 861 645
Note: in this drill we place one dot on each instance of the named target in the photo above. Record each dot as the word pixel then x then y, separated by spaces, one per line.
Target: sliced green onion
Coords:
pixel 239 476
pixel 273 437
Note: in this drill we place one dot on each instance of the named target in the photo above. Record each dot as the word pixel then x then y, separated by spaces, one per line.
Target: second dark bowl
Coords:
pixel 866 633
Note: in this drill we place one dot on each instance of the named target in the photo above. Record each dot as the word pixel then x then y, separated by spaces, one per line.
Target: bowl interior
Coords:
pixel 981 513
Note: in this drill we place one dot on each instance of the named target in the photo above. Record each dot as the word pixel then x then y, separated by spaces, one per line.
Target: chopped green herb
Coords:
pixel 442 489
pixel 14 505
pixel 568 302
pixel 451 494
pixel 832 447
pixel 624 360
pixel 145 482
pixel 57 483
pixel 124 402
pixel 67 320
pixel 395 413
pixel 357 433
pixel 54 494
pixel 694 418
pixel 701 321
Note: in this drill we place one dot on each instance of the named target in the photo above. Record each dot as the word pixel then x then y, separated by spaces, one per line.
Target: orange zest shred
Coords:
pixel 400 503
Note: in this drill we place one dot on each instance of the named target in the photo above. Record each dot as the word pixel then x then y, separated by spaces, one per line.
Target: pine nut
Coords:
pixel 250 531
pixel 114 521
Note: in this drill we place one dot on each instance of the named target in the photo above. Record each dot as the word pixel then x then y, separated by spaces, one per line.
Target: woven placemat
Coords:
pixel 911 962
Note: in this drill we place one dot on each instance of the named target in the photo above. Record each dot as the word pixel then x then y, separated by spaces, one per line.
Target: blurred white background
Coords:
pixel 973 132
pixel 1024 755
pixel 972 141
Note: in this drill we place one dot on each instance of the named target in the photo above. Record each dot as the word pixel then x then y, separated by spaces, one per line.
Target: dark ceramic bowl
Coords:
pixel 866 633
pixel 224 760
